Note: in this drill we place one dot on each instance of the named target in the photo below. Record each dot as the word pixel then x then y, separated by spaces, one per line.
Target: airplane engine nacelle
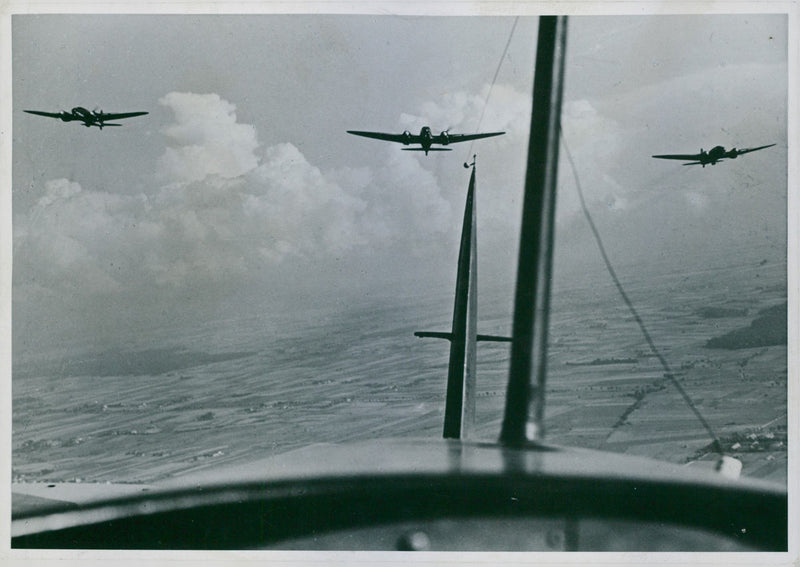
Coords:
pixel 733 154
pixel 406 137
pixel 66 116
pixel 444 137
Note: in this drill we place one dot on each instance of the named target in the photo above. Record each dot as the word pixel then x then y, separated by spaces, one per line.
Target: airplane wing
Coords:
pixel 401 138
pixel 679 156
pixel 747 150
pixel 433 335
pixel 119 115
pixel 453 138
pixel 493 339
pixel 449 337
pixel 40 113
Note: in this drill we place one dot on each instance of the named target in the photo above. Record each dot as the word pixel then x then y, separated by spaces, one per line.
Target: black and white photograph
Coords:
pixel 370 277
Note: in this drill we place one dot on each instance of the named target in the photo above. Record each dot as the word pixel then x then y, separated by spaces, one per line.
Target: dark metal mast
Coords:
pixel 526 382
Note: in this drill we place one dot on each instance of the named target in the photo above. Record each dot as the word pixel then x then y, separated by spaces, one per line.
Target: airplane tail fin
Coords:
pixel 459 412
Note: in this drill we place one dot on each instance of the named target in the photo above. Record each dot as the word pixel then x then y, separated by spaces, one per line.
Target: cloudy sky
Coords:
pixel 241 183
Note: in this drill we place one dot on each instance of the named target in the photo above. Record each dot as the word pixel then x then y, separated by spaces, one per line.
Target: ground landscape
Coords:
pixel 215 398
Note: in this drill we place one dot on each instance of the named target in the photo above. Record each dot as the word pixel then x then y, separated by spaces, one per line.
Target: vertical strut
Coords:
pixel 526 381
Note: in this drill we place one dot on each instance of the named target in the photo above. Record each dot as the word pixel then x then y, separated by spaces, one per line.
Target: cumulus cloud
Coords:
pixel 227 212
pixel 500 160
pixel 612 143
pixel 595 142
pixel 290 207
pixel 205 139
pixel 500 107
pixel 78 239
pixel 697 201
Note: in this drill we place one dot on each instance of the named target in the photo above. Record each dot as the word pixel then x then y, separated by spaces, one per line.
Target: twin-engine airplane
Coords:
pixel 716 154
pixel 88 117
pixel 425 138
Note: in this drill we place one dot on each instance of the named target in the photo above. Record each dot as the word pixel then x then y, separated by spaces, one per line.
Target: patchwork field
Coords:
pixel 230 392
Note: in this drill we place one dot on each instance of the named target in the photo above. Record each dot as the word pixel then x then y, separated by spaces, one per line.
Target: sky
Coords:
pixel 241 188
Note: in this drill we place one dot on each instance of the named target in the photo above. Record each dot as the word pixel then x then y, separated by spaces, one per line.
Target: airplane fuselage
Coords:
pixel 78 113
pixel 88 117
pixel 426 139
pixel 715 154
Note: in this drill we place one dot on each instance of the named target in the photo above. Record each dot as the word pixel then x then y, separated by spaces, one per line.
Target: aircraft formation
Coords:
pixel 87 117
pixel 716 154
pixel 426 139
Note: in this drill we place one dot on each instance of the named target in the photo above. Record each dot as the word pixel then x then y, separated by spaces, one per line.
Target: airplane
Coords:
pixel 88 117
pixel 716 154
pixel 517 493
pixel 425 138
